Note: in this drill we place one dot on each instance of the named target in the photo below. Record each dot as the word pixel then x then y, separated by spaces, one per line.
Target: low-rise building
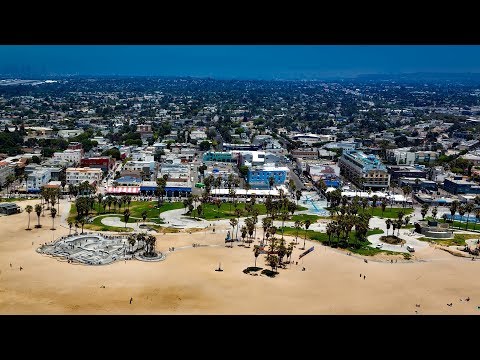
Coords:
pixel 406 171
pixel 80 175
pixel 69 133
pixel 9 208
pixel 218 156
pixel 457 185
pixel 418 183
pixel 38 178
pixel 105 163
pixel 5 170
pixel 72 157
pixel 408 157
pixel 259 177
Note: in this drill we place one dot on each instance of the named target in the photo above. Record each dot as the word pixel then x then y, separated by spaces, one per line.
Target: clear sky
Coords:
pixel 237 61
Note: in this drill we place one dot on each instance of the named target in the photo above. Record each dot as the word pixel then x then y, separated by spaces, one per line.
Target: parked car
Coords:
pixel 410 248
pixel 379 246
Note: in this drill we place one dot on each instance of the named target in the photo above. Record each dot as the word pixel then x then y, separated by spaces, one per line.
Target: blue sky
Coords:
pixel 238 61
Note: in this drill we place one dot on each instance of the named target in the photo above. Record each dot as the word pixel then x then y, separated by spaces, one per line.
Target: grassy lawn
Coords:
pixel 303 217
pixel 227 210
pixel 391 213
pixel 458 224
pixel 161 229
pixel 323 238
pixel 15 199
pixel 458 240
pixel 136 209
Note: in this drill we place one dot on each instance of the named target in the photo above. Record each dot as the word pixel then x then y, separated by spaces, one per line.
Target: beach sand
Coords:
pixel 187 283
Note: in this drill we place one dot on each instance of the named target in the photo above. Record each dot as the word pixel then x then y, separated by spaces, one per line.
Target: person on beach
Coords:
pixel 363 277
pixel 131 299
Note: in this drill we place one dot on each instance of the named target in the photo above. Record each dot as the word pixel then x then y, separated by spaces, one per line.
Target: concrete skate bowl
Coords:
pixel 87 249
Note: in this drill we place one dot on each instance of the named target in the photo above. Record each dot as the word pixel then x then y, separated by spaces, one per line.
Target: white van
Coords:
pixel 410 248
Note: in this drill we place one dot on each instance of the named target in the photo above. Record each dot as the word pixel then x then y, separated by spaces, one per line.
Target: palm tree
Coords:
pixel 243 232
pixel 144 215
pixel 477 215
pixel 70 224
pixel 82 222
pixel 399 224
pixel 233 223
pixel 38 211
pixel 256 252
pixel 238 213
pixel 126 216
pixel 283 217
pixel 388 222
pixel 374 201
pixel 53 213
pixel 266 223
pixel 298 226
pixel 364 203
pixel 330 230
pixel 383 204
pixel 424 211
pixel 99 200
pixel 131 241
pixel 271 181
pixel 434 212
pixel 306 223
pixel 461 210
pixel 468 209
pixel 453 208
pixel 28 209
pixel 298 195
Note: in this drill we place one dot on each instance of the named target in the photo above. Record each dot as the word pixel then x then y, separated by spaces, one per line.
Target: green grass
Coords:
pixel 303 217
pixel 14 199
pixel 459 224
pixel 364 250
pixel 226 211
pixel 458 240
pixel 390 213
pixel 319 236
pixel 136 209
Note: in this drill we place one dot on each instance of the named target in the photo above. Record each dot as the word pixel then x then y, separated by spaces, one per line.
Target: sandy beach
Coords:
pixel 187 283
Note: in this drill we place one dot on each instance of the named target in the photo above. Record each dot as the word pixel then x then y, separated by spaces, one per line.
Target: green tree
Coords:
pixel 28 209
pixel 53 214
pixel 38 211
pixel 126 216
pixel 306 223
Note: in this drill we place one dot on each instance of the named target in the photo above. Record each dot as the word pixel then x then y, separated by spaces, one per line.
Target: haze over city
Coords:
pixel 237 61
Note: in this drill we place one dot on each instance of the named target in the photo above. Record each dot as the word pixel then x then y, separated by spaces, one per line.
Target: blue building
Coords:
pixel 259 177
pixel 459 186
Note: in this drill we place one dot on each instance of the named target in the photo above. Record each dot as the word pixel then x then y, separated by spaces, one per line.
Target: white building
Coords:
pixel 198 135
pixel 72 157
pixel 139 165
pixel 69 133
pixel 37 178
pixel 79 175
pixel 313 138
pixel 407 157
pixel 5 171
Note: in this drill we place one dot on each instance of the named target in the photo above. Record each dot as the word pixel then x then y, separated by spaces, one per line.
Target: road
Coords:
pixel 296 179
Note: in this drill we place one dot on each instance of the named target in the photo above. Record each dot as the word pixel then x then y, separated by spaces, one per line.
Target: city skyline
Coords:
pixel 309 62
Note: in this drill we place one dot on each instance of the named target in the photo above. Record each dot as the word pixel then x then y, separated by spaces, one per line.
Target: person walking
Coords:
pixel 131 299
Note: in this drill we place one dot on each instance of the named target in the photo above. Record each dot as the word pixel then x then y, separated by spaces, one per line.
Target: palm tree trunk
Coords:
pixel 28 221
